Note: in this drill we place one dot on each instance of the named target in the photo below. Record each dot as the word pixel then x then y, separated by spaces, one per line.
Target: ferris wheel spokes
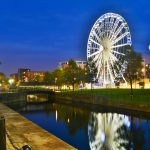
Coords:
pixel 120 37
pixel 106 46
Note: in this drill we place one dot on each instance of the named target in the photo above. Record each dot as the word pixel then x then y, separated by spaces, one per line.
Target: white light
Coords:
pixel 56 115
pixel 149 47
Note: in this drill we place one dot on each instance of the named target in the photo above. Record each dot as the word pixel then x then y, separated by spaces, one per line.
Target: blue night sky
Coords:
pixel 37 34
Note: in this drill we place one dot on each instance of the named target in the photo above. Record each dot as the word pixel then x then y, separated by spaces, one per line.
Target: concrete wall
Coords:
pixel 12 97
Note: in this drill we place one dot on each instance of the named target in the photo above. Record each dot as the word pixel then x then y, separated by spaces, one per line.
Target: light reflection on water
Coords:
pixel 89 130
pixel 108 131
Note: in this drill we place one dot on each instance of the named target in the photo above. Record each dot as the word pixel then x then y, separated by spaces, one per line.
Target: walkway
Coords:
pixel 22 131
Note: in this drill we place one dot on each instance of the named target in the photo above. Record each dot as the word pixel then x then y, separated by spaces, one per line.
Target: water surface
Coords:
pixel 91 129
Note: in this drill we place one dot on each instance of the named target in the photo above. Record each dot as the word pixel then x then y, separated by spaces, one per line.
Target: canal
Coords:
pixel 88 128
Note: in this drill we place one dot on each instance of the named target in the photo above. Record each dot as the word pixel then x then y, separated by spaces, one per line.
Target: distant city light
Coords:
pixel 143 70
pixel 11 81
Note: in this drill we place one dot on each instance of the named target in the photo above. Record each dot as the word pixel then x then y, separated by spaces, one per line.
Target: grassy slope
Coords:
pixel 141 96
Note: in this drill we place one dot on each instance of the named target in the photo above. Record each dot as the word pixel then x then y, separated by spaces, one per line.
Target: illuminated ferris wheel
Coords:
pixel 107 45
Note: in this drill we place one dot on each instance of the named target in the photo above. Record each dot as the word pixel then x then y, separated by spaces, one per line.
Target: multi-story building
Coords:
pixel 147 70
pixel 21 74
pixel 35 76
pixel 79 63
pixel 26 75
pixel 14 76
pixel 143 68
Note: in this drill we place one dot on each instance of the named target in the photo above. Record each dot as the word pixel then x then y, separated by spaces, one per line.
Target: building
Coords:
pixel 34 76
pixel 147 70
pixel 80 64
pixel 14 76
pixel 26 75
pixel 21 74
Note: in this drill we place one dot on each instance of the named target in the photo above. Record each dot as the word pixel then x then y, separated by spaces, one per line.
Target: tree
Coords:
pixel 2 77
pixel 91 71
pixel 49 77
pixel 81 77
pixel 58 76
pixel 133 70
pixel 71 73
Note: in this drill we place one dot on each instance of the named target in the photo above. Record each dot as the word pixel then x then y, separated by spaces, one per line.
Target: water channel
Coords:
pixel 89 128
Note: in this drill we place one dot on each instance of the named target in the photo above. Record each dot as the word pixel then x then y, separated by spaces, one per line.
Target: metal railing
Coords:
pixel 4 133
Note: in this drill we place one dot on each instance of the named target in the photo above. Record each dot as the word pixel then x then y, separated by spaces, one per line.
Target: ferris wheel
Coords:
pixel 107 45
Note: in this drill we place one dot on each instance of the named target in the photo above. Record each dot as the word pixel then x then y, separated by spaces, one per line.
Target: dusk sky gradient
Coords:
pixel 37 34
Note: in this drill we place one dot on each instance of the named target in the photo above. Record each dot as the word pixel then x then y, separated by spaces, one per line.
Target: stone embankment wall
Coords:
pixel 99 100
pixel 20 131
pixel 77 98
pixel 11 97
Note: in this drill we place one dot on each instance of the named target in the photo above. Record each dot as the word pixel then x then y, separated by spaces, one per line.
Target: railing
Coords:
pixel 4 133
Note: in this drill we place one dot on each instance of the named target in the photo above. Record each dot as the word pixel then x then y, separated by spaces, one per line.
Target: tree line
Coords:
pixel 72 74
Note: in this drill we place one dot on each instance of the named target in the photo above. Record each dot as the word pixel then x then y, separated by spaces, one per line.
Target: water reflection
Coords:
pixel 73 117
pixel 87 130
pixel 108 131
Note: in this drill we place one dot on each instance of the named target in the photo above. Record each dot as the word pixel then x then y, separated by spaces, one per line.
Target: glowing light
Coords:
pixel 143 70
pixel 11 81
pixel 56 115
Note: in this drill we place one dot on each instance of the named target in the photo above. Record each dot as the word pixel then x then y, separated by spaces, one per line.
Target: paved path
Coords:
pixel 22 131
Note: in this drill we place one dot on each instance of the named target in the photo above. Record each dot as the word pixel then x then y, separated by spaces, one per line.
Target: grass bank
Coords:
pixel 112 97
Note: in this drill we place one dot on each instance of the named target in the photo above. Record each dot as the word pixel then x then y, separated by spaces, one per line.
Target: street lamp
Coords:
pixel 55 81
pixel 11 81
pixel 143 72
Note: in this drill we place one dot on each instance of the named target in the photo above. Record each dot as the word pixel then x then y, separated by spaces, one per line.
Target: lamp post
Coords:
pixel 55 82
pixel 143 73
pixel 74 79
pixel 11 82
